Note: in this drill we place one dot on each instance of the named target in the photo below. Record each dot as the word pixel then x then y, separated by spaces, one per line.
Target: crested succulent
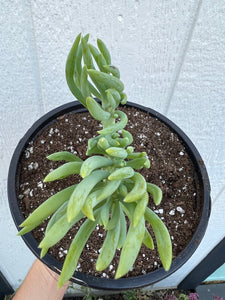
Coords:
pixel 112 190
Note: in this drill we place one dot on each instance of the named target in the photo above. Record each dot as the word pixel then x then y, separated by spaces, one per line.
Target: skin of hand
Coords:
pixel 40 283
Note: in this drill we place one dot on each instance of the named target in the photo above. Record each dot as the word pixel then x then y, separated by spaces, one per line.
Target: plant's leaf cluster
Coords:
pixel 111 188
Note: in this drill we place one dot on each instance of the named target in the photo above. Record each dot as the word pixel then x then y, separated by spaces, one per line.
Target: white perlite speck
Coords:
pixel 26 192
pixel 110 267
pixel 40 184
pixel 33 165
pixel 30 166
pixel 31 149
pixel 180 209
pixel 172 212
pixel 27 154
pixel 51 131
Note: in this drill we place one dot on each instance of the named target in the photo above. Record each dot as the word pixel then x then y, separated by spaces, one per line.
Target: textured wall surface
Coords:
pixel 171 57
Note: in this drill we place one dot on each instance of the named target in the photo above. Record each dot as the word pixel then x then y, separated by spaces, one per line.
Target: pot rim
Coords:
pixel 97 282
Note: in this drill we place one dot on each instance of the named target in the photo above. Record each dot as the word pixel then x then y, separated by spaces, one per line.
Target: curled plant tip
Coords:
pixel 103 143
pixel 124 98
pixel 93 163
pixel 110 190
pixel 111 101
pixel 128 135
pixel 117 126
pixel 156 193
pixel 116 95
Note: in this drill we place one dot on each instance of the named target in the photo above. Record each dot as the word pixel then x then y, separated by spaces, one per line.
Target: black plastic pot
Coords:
pixel 96 282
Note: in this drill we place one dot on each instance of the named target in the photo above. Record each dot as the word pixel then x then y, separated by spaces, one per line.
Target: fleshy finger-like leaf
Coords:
pixel 105 210
pixel 70 65
pixel 156 192
pixel 131 248
pixel 108 248
pixel 117 126
pixel 64 171
pixel 148 241
pixel 94 162
pixel 48 207
pixel 123 229
pixel 64 155
pixel 89 204
pixel 75 250
pixel 140 209
pixel 81 192
pixel 162 236
pixel 115 216
pixel 138 190
pixel 58 229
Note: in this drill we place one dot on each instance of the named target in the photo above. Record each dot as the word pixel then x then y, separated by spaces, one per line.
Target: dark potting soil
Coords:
pixel 171 169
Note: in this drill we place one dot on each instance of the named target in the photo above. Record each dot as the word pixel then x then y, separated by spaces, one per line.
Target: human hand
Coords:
pixel 40 283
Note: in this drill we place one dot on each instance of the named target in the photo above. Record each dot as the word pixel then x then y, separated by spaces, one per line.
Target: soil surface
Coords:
pixel 171 169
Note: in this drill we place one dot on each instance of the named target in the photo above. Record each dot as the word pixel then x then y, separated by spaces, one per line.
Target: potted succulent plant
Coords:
pixel 112 192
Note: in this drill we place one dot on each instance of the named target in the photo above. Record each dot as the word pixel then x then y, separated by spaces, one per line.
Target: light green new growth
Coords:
pixel 110 188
